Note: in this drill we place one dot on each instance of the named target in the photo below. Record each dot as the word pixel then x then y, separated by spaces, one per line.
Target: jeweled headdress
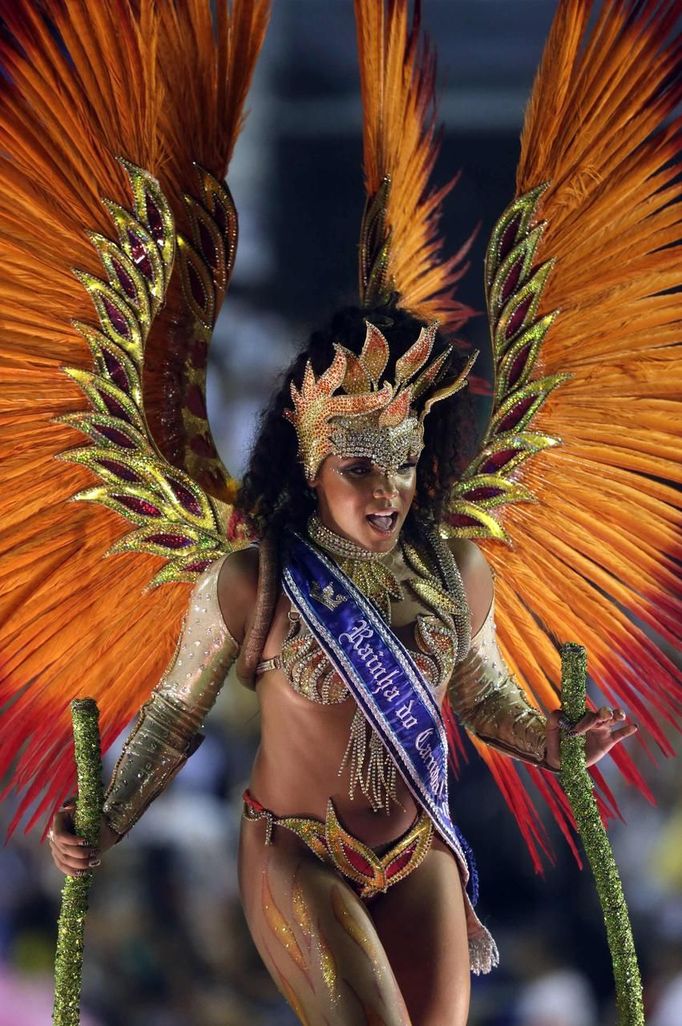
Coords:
pixel 348 411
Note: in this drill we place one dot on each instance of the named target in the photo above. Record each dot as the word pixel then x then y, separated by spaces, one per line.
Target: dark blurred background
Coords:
pixel 166 942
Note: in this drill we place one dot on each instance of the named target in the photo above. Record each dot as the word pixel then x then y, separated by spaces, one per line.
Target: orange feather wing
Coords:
pixel 84 85
pixel 579 467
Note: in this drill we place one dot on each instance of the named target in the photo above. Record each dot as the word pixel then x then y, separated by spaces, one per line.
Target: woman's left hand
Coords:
pixel 603 729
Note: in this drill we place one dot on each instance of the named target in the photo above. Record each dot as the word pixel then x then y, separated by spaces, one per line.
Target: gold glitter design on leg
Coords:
pixel 304 920
pixel 302 916
pixel 281 928
pixel 328 967
pixel 350 925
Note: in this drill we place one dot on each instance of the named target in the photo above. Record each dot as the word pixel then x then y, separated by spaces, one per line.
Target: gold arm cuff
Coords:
pixel 166 732
pixel 490 703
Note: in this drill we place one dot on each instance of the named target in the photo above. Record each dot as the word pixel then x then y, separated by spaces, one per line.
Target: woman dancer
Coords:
pixel 339 861
pixel 354 617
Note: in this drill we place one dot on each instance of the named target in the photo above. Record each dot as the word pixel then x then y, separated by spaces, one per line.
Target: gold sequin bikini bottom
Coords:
pixel 369 872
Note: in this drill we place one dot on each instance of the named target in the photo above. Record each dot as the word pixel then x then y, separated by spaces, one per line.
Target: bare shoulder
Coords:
pixel 477 578
pixel 238 588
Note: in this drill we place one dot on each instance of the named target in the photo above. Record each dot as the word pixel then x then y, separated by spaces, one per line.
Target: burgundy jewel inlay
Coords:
pixel 137 505
pixel 140 255
pixel 516 414
pixel 114 407
pixel 518 365
pixel 184 497
pixel 195 401
pixel 201 446
pixel 125 281
pixel 198 566
pixel 512 280
pixel 116 317
pixel 207 246
pixel 518 317
pixel 120 470
pixel 462 520
pixel 170 541
pixel 198 353
pixel 154 220
pixel 509 236
pixel 498 460
pixel 113 435
pixel 358 861
pixel 481 494
pixel 196 288
pixel 400 862
pixel 116 371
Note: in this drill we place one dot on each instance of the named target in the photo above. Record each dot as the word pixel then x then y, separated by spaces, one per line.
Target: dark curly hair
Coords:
pixel 274 492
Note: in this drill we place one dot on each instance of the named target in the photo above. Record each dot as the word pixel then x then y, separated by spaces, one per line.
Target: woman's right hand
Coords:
pixel 71 853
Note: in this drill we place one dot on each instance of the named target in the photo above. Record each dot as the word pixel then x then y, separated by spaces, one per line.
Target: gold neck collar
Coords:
pixel 339 547
pixel 371 572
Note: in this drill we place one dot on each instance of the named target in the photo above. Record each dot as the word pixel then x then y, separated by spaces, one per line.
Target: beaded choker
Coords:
pixel 364 567
pixel 338 546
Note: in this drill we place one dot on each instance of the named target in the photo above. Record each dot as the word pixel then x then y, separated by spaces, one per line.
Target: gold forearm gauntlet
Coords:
pixel 489 702
pixel 165 734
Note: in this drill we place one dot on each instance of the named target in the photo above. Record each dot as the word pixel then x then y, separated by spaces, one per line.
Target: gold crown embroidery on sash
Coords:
pixel 326 596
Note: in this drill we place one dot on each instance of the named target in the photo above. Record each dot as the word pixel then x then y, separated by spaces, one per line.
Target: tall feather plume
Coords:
pixel 400 248
pixel 207 63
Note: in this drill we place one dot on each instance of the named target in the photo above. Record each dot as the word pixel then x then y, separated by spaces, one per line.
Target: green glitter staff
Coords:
pixel 70 930
pixel 577 784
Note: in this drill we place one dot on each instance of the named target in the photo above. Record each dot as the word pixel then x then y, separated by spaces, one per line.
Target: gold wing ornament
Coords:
pixel 102 159
pixel 573 494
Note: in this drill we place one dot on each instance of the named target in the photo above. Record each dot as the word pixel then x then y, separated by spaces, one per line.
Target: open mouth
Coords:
pixel 384 523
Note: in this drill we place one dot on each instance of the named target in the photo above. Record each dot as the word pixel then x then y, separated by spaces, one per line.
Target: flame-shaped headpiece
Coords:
pixel 347 411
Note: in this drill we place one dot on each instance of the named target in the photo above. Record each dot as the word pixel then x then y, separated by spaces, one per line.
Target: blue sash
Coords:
pixel 383 679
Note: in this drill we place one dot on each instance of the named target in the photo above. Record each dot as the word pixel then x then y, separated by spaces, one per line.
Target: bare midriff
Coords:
pixel 302 745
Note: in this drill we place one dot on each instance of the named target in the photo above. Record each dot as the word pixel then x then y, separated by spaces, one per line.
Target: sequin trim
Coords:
pixel 370 873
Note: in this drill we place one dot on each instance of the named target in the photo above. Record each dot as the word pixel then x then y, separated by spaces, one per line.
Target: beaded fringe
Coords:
pixel 371 767
pixel 483 953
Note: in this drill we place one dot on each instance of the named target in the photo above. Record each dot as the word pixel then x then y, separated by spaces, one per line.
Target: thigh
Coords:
pixel 314 935
pixel 421 923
